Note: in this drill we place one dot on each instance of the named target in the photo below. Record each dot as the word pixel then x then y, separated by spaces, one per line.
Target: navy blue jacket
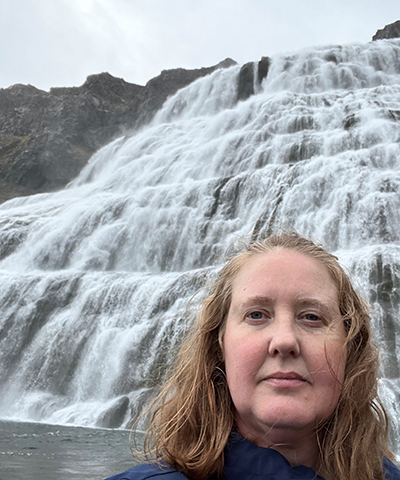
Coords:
pixel 244 461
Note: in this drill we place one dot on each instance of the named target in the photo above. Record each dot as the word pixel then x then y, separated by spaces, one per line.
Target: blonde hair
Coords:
pixel 193 413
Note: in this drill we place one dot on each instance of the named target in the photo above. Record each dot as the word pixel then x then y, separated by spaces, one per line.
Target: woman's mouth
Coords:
pixel 285 379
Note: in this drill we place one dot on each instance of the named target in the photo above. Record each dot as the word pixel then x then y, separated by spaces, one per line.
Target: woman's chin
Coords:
pixel 279 421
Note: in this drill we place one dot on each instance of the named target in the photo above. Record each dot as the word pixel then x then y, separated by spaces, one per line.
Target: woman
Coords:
pixel 278 379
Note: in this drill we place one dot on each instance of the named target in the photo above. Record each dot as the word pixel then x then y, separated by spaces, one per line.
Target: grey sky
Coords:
pixel 60 42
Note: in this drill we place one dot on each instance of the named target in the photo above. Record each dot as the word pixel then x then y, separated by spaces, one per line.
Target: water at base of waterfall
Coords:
pixel 38 451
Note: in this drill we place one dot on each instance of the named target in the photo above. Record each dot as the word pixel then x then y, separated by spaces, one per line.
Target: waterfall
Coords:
pixel 95 279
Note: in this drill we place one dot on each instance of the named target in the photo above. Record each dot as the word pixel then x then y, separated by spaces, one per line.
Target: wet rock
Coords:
pixel 115 415
pixel 263 68
pixel 350 121
pixel 246 81
pixel 331 57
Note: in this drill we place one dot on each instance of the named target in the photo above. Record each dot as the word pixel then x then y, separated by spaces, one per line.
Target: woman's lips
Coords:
pixel 285 379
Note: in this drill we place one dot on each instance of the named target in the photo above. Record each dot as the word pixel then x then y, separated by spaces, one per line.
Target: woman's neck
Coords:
pixel 299 448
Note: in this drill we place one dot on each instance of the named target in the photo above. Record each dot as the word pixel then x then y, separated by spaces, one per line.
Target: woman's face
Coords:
pixel 284 344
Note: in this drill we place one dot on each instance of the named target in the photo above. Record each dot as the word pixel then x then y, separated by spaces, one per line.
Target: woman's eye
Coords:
pixel 312 317
pixel 256 315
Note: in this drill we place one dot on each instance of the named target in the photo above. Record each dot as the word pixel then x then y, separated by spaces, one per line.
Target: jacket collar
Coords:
pixel 244 459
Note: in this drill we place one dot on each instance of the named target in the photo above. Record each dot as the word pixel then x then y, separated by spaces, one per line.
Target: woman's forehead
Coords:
pixel 284 269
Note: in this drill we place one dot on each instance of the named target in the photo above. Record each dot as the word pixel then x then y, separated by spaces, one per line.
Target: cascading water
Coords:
pixel 95 279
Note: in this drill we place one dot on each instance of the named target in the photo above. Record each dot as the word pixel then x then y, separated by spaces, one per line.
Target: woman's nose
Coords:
pixel 284 339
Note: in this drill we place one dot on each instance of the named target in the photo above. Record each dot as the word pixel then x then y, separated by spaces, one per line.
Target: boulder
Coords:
pixel 115 415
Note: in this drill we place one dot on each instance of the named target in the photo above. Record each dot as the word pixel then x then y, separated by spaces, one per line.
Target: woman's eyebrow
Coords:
pixel 252 301
pixel 328 306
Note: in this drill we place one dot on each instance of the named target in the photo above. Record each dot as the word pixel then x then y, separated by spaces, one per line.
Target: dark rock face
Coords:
pixel 46 138
pixel 245 87
pixel 263 68
pixel 246 81
pixel 390 31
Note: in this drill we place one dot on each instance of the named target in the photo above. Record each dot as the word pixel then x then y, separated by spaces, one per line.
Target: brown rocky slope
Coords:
pixel 47 137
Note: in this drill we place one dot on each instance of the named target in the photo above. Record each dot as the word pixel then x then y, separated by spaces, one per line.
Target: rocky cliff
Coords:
pixel 47 137
pixel 390 31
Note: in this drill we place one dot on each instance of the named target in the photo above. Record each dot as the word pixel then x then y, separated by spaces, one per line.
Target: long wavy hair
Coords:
pixel 193 414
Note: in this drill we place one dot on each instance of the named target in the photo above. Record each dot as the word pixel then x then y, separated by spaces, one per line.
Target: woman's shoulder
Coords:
pixel 149 470
pixel 391 471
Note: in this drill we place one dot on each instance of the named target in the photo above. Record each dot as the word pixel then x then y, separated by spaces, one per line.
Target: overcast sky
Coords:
pixel 50 43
